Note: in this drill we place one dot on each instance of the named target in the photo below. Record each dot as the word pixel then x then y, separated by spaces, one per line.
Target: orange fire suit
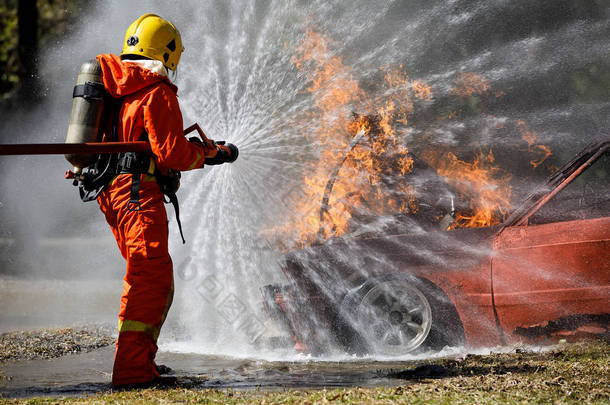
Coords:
pixel 149 106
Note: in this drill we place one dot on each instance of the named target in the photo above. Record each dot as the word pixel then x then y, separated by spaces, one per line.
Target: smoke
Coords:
pixel 238 80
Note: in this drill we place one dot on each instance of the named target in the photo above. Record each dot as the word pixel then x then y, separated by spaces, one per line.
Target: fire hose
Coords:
pixel 228 150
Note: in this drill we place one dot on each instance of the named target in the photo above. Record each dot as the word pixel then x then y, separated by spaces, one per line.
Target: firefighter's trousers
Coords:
pixel 148 284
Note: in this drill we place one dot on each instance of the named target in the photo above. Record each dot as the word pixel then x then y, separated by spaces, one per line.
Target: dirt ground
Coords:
pixel 51 343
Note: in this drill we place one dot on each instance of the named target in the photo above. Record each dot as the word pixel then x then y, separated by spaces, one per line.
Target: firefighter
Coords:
pixel 133 204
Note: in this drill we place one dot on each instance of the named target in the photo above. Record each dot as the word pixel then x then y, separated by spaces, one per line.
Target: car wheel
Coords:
pixel 398 316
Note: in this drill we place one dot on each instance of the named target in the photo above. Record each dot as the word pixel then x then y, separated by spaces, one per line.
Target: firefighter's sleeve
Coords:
pixel 163 123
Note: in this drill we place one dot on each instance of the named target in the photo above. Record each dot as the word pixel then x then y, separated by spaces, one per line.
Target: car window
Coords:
pixel 587 196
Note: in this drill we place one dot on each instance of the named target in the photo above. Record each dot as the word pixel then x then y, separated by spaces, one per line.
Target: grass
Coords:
pixel 571 373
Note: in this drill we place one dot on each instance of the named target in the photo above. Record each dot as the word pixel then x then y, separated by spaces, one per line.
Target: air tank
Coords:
pixel 86 119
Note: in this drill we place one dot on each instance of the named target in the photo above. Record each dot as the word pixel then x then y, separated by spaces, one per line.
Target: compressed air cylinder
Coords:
pixel 86 119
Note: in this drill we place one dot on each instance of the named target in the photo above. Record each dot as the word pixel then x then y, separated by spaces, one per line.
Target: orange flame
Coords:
pixel 528 136
pixel 469 84
pixel 361 161
pixel 480 183
pixel 362 164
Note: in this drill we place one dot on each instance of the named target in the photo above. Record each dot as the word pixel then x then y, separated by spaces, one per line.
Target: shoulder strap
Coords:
pixel 116 111
pixel 97 177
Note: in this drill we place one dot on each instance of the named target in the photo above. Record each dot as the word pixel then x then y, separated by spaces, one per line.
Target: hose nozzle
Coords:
pixel 228 150
pixel 226 153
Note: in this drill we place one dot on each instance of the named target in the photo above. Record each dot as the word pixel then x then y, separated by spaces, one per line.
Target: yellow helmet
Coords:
pixel 153 37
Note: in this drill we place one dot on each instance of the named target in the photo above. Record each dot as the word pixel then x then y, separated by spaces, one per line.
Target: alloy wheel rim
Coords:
pixel 395 316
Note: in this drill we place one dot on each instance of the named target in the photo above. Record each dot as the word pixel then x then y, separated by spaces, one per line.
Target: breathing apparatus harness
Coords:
pixel 93 179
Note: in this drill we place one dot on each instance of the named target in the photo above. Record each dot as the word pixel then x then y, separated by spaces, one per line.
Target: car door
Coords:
pixel 556 266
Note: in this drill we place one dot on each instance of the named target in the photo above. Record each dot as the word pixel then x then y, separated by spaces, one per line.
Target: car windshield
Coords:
pixel 585 197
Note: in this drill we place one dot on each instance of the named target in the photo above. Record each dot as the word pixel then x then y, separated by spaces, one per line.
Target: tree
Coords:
pixel 27 15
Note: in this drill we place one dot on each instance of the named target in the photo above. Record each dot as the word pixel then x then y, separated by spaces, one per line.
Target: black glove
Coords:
pixel 227 153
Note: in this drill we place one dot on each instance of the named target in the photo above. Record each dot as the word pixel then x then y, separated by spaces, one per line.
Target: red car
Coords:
pixel 544 271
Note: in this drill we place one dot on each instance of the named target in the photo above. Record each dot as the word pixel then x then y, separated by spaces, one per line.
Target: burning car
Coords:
pixel 543 271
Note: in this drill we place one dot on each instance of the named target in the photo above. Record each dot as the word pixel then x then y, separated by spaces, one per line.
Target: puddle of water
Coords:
pixel 87 373
pixel 68 375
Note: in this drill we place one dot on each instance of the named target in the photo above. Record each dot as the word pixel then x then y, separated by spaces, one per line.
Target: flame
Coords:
pixel 331 80
pixel 469 84
pixel 480 183
pixel 357 153
pixel 334 91
pixel 422 90
pixel 530 138
pixel 361 165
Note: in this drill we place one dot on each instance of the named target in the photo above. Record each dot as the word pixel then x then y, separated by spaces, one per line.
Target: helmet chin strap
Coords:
pixel 172 75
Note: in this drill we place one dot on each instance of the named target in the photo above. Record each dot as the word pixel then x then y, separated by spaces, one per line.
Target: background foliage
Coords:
pixel 56 18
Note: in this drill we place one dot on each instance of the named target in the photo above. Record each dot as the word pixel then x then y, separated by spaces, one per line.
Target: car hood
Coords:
pixel 430 249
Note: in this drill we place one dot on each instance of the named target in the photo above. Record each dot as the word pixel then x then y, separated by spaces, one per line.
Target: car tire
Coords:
pixel 394 316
